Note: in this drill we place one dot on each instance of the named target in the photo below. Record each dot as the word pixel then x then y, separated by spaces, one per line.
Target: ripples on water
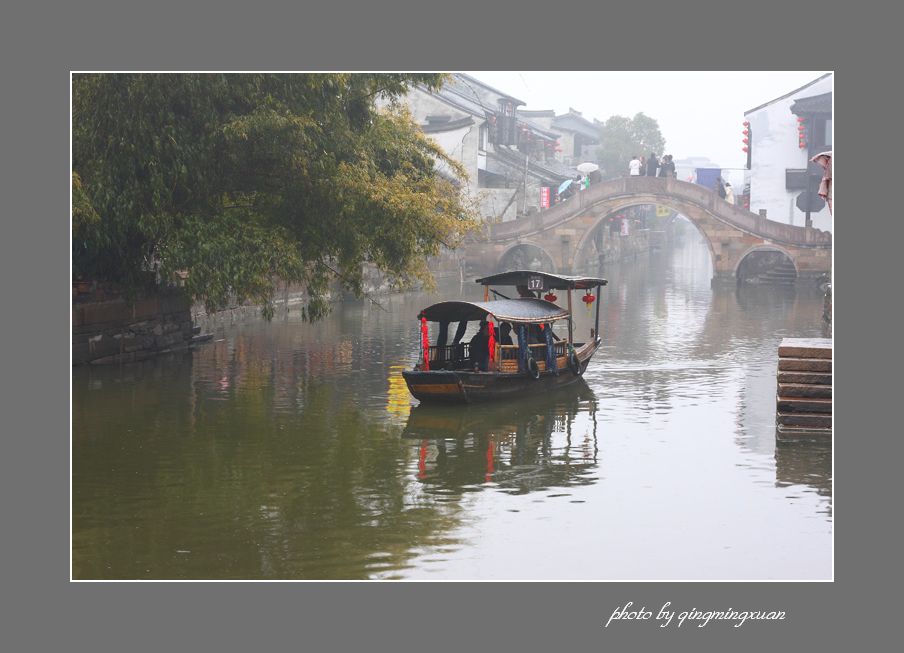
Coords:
pixel 288 450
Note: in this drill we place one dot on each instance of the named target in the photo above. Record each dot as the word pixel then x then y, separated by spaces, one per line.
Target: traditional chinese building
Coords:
pixel 508 158
pixel 783 134
pixel 578 137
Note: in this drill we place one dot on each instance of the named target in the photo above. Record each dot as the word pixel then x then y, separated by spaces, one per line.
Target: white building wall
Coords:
pixel 498 204
pixel 459 144
pixel 775 149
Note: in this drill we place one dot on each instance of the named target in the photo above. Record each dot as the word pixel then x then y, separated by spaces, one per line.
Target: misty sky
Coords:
pixel 699 113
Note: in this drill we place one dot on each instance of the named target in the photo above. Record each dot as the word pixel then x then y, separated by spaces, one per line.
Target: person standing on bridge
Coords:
pixel 667 168
pixel 729 193
pixel 720 187
pixel 652 165
pixel 634 166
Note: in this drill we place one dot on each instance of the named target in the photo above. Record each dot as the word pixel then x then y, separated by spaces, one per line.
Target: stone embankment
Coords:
pixel 108 328
pixel 115 330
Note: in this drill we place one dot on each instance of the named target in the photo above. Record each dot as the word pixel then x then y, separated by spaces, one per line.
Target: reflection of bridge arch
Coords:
pixel 730 231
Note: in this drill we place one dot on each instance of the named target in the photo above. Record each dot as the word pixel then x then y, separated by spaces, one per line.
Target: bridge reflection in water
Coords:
pixel 513 447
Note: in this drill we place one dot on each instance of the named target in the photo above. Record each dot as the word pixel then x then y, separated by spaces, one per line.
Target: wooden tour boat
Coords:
pixel 539 359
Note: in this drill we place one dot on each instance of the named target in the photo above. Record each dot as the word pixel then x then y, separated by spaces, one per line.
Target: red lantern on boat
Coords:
pixel 550 296
pixel 491 342
pixel 588 299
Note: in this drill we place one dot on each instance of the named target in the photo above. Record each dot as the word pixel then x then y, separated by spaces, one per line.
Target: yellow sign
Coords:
pixel 663 211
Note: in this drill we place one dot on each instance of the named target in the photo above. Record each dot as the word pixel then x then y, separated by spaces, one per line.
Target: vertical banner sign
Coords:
pixel 544 197
pixel 624 227
pixel 425 344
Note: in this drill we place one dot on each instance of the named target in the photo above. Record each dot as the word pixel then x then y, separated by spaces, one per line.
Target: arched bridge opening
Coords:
pixel 603 241
pixel 526 256
pixel 566 230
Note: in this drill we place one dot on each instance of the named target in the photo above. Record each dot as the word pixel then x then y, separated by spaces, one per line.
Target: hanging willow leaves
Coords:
pixel 247 181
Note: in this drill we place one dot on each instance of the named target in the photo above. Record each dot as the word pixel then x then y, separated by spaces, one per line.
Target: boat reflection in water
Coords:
pixel 522 446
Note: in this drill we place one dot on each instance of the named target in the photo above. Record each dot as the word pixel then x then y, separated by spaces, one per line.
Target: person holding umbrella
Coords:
pixel 562 191
pixel 586 169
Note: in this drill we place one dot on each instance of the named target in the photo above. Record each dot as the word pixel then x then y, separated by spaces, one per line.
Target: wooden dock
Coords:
pixel 804 380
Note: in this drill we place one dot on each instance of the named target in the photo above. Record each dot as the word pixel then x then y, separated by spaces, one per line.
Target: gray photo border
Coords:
pixel 50 613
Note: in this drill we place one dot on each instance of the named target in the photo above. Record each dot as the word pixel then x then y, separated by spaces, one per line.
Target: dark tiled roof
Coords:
pixel 542 131
pixel 448 125
pixel 766 104
pixel 574 122
pixel 815 104
pixel 474 80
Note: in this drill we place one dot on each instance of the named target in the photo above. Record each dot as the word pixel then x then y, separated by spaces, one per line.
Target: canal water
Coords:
pixel 286 450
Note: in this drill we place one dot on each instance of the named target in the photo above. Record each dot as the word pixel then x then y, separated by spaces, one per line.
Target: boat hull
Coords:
pixel 460 386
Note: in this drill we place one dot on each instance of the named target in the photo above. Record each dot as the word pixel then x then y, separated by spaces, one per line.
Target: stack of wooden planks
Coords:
pixel 804 401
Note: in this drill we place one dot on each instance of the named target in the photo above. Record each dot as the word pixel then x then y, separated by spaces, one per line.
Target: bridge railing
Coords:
pixel 664 188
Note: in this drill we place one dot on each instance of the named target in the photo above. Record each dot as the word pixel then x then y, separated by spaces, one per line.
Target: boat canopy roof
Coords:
pixel 536 280
pixel 522 310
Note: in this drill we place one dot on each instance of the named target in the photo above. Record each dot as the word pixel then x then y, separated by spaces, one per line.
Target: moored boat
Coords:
pixel 496 365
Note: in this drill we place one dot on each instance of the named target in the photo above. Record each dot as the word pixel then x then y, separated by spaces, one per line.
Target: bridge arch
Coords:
pixel 730 231
pixel 602 211
pixel 507 258
pixel 767 248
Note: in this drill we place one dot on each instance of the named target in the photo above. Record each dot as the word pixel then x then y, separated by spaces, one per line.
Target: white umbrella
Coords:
pixel 587 168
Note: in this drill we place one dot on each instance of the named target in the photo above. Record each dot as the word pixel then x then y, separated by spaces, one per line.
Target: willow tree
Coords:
pixel 249 180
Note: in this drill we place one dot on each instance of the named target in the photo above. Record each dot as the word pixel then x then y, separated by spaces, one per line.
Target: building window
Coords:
pixel 822 134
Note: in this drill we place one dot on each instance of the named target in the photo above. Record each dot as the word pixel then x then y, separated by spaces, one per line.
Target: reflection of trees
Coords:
pixel 244 487
pixel 523 446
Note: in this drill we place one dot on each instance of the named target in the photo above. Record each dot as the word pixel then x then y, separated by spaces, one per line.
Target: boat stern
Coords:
pixel 440 385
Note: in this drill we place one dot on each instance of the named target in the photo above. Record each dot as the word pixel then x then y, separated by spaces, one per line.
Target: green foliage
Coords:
pixel 249 180
pixel 622 138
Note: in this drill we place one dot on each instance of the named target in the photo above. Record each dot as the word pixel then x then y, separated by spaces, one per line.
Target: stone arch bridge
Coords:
pixel 565 231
